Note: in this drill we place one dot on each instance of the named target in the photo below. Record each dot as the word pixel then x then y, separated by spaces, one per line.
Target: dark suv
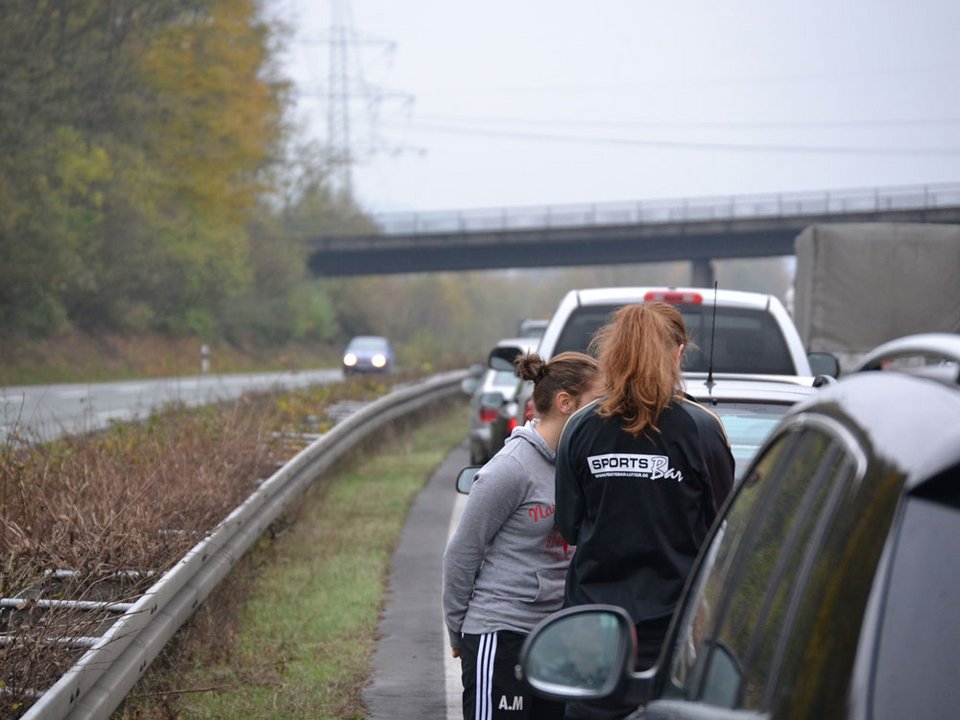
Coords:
pixel 830 584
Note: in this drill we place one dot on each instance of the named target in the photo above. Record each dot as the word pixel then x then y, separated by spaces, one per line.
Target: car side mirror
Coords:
pixel 824 363
pixel 465 479
pixel 585 653
pixel 502 357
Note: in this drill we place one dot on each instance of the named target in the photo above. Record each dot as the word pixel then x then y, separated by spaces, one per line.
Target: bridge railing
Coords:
pixel 735 207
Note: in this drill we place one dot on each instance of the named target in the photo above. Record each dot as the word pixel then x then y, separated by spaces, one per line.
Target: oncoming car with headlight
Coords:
pixel 368 353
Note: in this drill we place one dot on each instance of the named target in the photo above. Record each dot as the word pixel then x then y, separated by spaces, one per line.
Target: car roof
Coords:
pixel 529 343
pixel 909 422
pixel 623 295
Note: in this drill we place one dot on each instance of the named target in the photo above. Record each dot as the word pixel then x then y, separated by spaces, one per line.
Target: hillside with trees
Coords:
pixel 151 183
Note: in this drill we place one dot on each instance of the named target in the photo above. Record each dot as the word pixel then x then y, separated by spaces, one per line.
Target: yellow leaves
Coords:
pixel 80 166
pixel 218 116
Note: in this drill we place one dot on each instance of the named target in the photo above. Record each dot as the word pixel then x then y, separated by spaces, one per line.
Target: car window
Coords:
pixel 727 661
pixel 791 531
pixel 747 340
pixel 715 568
pixel 918 654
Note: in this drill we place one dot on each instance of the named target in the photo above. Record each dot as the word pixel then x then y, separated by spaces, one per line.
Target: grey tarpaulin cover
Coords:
pixel 859 285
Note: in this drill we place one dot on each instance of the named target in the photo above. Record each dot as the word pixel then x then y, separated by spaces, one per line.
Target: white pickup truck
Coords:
pixel 752 332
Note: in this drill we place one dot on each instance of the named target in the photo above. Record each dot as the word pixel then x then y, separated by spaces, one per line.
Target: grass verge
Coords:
pixel 291 632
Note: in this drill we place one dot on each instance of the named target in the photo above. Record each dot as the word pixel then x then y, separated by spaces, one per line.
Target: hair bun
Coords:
pixel 531 367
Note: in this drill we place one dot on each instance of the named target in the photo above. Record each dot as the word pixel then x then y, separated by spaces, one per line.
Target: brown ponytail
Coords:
pixel 637 354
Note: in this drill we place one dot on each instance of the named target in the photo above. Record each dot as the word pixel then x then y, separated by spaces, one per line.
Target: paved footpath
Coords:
pixel 414 676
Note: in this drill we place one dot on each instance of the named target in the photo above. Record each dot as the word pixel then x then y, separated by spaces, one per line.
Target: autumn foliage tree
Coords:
pixel 136 140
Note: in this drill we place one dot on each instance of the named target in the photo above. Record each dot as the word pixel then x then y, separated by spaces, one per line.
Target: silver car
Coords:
pixel 750 406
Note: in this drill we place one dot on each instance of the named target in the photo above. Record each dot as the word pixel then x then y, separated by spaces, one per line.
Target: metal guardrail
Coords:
pixel 102 677
pixel 734 207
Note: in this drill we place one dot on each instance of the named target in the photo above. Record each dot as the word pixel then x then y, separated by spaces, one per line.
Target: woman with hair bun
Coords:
pixel 640 478
pixel 504 567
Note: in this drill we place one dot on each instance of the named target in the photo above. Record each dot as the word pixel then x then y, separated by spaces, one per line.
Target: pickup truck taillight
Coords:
pixel 676 297
pixel 488 415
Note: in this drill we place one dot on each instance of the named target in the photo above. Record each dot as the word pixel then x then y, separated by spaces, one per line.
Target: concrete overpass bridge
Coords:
pixel 697 230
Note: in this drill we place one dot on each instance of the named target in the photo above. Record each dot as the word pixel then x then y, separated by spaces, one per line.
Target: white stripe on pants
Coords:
pixel 486 655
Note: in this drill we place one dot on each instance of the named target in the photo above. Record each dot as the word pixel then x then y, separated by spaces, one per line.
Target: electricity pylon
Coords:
pixel 346 85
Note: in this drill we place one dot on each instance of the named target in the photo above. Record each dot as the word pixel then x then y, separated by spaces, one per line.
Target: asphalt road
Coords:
pixel 414 676
pixel 44 412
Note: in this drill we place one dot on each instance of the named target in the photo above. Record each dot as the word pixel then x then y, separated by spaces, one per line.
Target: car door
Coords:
pixel 734 631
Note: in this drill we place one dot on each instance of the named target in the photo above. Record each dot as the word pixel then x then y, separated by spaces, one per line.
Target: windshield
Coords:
pixel 748 341
pixel 368 343
pixel 748 425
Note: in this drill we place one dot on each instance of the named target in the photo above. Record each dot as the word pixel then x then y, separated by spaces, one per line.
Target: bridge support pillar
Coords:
pixel 701 273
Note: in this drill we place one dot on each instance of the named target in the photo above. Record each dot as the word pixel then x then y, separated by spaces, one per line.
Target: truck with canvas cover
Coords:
pixel 859 285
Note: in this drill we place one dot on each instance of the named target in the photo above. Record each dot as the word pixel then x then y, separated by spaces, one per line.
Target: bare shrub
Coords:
pixel 102 517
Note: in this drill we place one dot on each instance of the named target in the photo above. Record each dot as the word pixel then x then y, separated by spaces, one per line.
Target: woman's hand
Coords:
pixel 455 652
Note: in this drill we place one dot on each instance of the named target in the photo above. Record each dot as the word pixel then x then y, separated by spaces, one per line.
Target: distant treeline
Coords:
pixel 150 181
pixel 143 176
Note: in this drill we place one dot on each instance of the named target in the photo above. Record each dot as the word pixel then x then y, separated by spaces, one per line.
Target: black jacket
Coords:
pixel 638 509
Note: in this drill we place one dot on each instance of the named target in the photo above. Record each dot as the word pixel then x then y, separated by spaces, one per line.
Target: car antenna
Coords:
pixel 713 334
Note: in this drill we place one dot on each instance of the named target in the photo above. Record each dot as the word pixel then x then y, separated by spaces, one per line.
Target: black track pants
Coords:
pixel 491 690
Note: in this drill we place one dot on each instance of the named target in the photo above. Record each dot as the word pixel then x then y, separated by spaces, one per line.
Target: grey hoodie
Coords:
pixel 505 565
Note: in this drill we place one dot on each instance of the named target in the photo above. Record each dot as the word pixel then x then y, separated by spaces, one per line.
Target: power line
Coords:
pixel 725 81
pixel 692 124
pixel 678 145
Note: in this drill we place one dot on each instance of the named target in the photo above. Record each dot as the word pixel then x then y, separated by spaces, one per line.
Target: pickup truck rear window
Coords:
pixel 748 341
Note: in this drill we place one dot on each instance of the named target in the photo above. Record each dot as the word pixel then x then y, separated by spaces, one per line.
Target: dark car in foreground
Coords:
pixel 830 584
pixel 368 353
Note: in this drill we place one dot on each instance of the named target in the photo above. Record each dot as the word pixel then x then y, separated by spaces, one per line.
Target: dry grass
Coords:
pixel 291 631
pixel 101 517
pixel 74 356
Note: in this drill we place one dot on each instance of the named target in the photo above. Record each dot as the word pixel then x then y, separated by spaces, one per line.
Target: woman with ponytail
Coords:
pixel 504 567
pixel 640 477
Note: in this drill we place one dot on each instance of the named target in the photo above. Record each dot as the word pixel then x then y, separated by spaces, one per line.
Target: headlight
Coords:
pixel 350 359
pixel 379 360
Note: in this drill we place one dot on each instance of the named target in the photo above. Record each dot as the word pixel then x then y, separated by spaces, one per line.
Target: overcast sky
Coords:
pixel 532 102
